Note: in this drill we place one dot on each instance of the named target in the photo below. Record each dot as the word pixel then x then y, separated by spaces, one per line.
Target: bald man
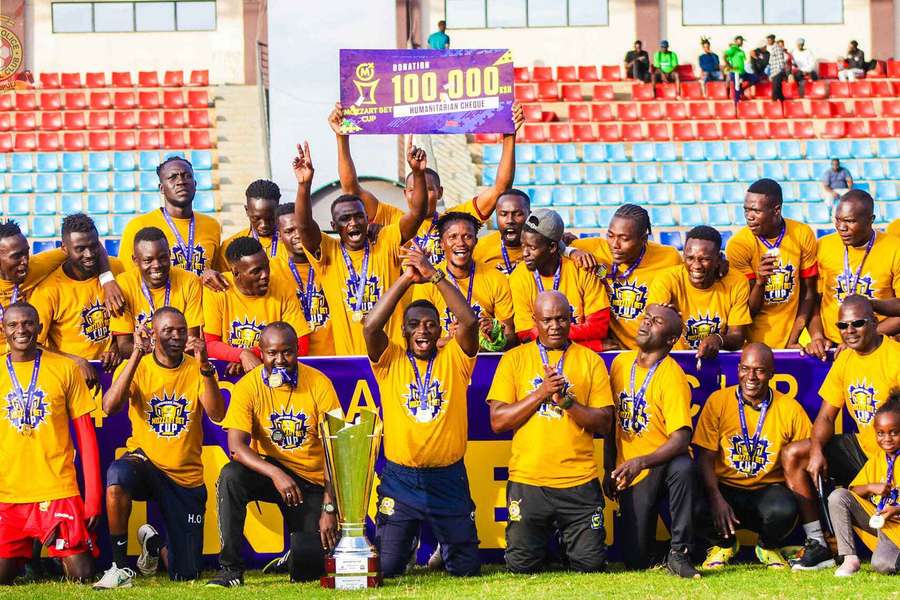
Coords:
pixel 860 379
pixel 647 458
pixel 554 396
pixel 738 439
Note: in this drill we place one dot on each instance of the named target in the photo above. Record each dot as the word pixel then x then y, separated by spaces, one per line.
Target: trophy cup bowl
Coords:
pixel 351 448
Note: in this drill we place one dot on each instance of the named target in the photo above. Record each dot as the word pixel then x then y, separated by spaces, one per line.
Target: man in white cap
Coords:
pixel 804 65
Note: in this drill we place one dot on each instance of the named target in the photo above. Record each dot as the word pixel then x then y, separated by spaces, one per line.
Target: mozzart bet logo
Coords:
pixel 288 430
pixel 740 459
pixel 429 408
pixel 370 295
pixel 245 333
pixel 629 299
pixel 632 413
pixel 168 416
pixel 95 322
pixel 862 404
pixel 365 85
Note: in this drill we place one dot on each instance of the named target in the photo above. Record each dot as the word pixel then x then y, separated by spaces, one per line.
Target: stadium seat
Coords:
pixel 22 163
pixel 570 93
pixel 724 110
pixel 610 195
pixel 51 101
pixel 756 130
pixel 148 182
pixel 715 151
pixel 199 78
pixel 175 98
pixel 651 111
pixel 21 184
pixel 98 182
pixel 148 160
pixel 581 132
pixel 789 150
pixel 674 173
pixel 675 111
pixel 722 172
pixel 717 90
pixel 659 194
pixel 766 151
pixel 72 183
pixel 864 109
pixel 568 175
pixel 733 193
pixel 780 130
pixel 749 110
pixel 666 91
pixel 646 174
pixel 773 170
pixel 632 132
pixel 691 90
pixel 25 121
pixel 47 162
pixel 601 112
pixel 857 129
pixel 542 153
pixel 672 238
pixel 795 109
pixel 839 149
pixel 525 93
pixel 174 139
pixel 712 193
pixel 491 154
pixel 747 172
pixel 834 129
pixel 684 132
pixel 121 79
pixel 205 202
pixel 873 169
pixel 98 120
pixel 6 140
pixel 43 226
pixel 642 152
pixel 565 153
pixel 547 91
pixel 17 205
pixel 799 171
pixel 98 161
pixel 880 128
pixel 73 162
pixel 610 73
pixel 861 149
pixel 521 75
pixel 616 153
pixel 588 73
pixel 634 194
pixel 817 213
pixel 718 216
pixel 149 201
pixel 734 130
pixel 888 149
pixel 148 100
pixel 661 217
pixel 890 108
pixel 643 92
pixel 603 91
pixel 665 152
pixel 49 81
pixel 585 218
pixel 198 119
pixel 693 151
pixel 562 196
pixel 71 203
pixel 817 150
pixel 125 100
pixel 149 140
pixel 74 120
pixel 6 120
pixel 51 121
pixel 585 196
pixel 793 212
pixel 609 132
pixel 25 142
pixel 125 203
pixel 122 182
pixel 173 79
pixel 627 111
pixel 48 142
pixel 45 204
pixel 26 102
pixel 579 112
pixel 99 140
pixel 861 88
pixel 199 140
pixel 594 152
pixel 699 111
pixel 803 129
pixel 708 131
pixel 886 190
pixel 697 173
pixel 621 174
pixel 739 151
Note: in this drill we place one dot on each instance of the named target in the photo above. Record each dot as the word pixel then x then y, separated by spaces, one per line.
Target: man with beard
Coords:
pixel 154 285
pixel 262 199
pixel 502 249
pixel 167 395
pixel 860 379
pixel 423 391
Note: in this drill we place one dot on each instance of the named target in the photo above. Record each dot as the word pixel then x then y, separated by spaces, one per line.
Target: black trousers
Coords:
pixel 536 512
pixel 639 510
pixel 237 486
pixel 770 511
pixel 777 82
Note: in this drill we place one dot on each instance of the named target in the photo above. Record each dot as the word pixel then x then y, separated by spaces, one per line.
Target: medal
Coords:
pixel 275 380
pixel 187 248
pixel 273 249
pixel 23 398
pixel 149 296
pixel 306 295
pixel 877 520
pixel 278 377
pixel 556 276
pixel 774 249
pixel 357 316
pixel 638 396
pixel 852 283
pixel 360 279
pixel 422 386
pixel 12 299
pixel 277 436
pixel 614 273
pixel 752 444
pixel 567 397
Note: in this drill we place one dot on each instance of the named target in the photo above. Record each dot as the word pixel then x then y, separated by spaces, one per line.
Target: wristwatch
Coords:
pixel 437 277
pixel 208 370
pixel 329 508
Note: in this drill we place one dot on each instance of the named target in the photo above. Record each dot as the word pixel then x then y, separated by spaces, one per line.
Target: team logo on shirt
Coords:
pixel 288 430
pixel 430 243
pixel 861 402
pixel 198 259
pixel 95 322
pixel 370 297
pixel 143 319
pixel 865 286
pixel 245 334
pixel 633 415
pixel 742 462
pixel 318 308
pixel 548 409
pixel 892 500
pixel 428 409
pixel 37 411
pixel 700 327
pixel 449 318
pixel 629 299
pixel 168 416
pixel 779 285
pixel 501 266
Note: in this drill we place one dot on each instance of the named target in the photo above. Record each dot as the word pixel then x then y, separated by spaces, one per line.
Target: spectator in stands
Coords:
pixel 665 65
pixel 855 61
pixel 439 40
pixel 804 65
pixel 735 66
pixel 759 61
pixel 709 63
pixel 777 71
pixel 770 43
pixel 836 181
pixel 637 63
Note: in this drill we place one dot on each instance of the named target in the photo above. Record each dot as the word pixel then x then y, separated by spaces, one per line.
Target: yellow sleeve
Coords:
pixel 588 244
pixel 832 389
pixel 595 298
pixel 240 409
pixel 78 399
pixel 116 266
pixel 126 244
pixel 503 387
pixel 707 433
pixel 386 214
pixel 520 287
pixel 135 386
pixel 463 363
pixel 740 257
pixel 894 228
pixel 125 322
pixel 44 301
pixel 329 249
pixel 469 208
pixel 677 400
pixel 382 368
pixel 42 264
pixel 661 289
pixel 808 250
pixel 503 304
pixel 193 311
pixel 600 394
pixel 739 313
pixel 212 311
pixel 389 241
pixel 326 396
pixel 292 313
pixel 866 475
pixel 801 428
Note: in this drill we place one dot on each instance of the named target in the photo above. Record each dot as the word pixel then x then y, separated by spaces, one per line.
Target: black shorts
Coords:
pixel 845 457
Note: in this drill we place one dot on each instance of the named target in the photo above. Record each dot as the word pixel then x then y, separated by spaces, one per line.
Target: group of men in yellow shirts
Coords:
pixel 420 294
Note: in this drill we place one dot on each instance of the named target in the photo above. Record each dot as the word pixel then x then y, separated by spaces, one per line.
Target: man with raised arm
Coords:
pixel 502 249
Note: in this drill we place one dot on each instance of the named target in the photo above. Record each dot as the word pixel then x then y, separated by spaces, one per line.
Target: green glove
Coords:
pixel 497 340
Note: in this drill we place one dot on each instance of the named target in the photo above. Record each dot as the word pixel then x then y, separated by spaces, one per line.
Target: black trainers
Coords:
pixel 679 563
pixel 226 579
pixel 277 565
pixel 815 556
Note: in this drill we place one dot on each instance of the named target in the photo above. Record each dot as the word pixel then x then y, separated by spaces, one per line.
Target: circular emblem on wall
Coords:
pixel 11 54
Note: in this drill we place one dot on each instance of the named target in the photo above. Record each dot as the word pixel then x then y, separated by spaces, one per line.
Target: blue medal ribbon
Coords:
pixel 614 272
pixel 149 296
pixel 636 397
pixel 752 443
pixel 777 243
pixel 360 278
pixel 12 300
pixel 556 276
pixel 471 283
pixel 273 250
pixel 187 248
pixel 279 375
pixel 852 283
pixel 307 294
pixel 888 480
pixel 505 254
pixel 24 398
pixel 421 386
pixel 545 357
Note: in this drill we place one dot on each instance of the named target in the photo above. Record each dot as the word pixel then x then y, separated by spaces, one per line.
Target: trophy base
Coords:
pixel 351 572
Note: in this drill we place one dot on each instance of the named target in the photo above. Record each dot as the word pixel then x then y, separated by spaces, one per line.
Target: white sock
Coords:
pixel 814 531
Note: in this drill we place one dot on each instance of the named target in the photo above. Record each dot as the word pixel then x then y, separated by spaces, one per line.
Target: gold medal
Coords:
pixel 275 380
pixel 357 316
pixel 876 521
pixel 27 430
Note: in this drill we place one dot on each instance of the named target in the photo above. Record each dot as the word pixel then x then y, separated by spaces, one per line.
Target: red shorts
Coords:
pixel 57 524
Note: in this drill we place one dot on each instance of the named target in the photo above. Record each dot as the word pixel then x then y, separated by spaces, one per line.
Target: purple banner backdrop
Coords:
pixel 427 91
pixel 487 454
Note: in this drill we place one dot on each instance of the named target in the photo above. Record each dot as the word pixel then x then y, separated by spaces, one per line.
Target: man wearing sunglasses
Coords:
pixel 860 379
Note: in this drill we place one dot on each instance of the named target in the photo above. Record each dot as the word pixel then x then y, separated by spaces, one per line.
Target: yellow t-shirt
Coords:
pixel 321 342
pixel 207 235
pixel 39 267
pixel 239 319
pixel 489 251
pixel 430 431
pixel 583 289
pixel 628 295
pixel 704 312
pixel 340 291
pixel 221 263
pixel 72 313
pixel 862 384
pixel 642 427
pixel 550 449
pixel 283 422
pixel 879 278
pixel 185 294
pixel 875 471
pixel 167 417
pixel 894 228
pixel 490 295
pixel 781 298
pixel 41 466
pixel 719 431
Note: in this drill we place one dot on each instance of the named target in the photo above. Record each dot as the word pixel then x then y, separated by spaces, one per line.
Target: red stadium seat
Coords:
pixel 48 142
pixel 74 120
pixel 199 78
pixel 101 101
pixel 816 89
pixel 748 110
pixel 200 139
pixel 149 140
pixel 893 69
pixel 790 90
pixel 708 130
pixel 99 140
pixel 484 138
pixel 583 132
pixel 6 142
pixel 717 90
pixel 125 140
pixel 601 112
pixel 525 93
pixel 610 73
pixel 675 111
pixel 632 132
pixel 834 129
pixel 724 110
pixel 26 102
pixel 5 123
pixel 803 129
pixel 70 80
pixel 828 70
pixel 699 111
pixel 691 90
pixel 521 75
pixel 148 79
pixel 532 112
pixel 856 129
pixel 734 130
pixel 820 109
pixel 548 116
pixel 609 132
pixel 686 72
pixel 174 139
pixel 566 73
pixel 763 89
pixel 772 110
pixel 880 69
pixel 683 132
pixel 890 108
pixel 122 79
pixel 124 119
pixel 780 130
pixel 74 142
pixel 548 91
pixel 173 79
pixel 572 93
pixel 148 119
pixel 51 121
pixel 896 128
pixel 864 108
pixel 652 111
pixel 882 88
pixel 125 100
pixel 25 142
pixel 76 101
pixel 861 89
pixel 839 89
pixel 98 120
pixel 756 130
pixel 841 109
pixel 627 111
pixel 795 109
pixel 667 91
pixel 579 112
pixel 588 73
pixel 542 74
pixel 658 132
pixel 6 102
pixel 148 100
pixel 560 132
pixel 173 119
pixel 642 92
pixel 25 121
pixel 95 80
pixel 534 134
pixel 603 91
pixel 49 81
pixel 880 128
pixel 173 99
pixel 896 85
pixel 51 101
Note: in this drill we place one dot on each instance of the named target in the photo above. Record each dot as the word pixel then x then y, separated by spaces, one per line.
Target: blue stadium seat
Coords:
pixel 861 185
pixel 45 183
pixel 880 218
pixel 747 171
pixel 594 152
pixel 838 149
pixel 21 184
pixel 149 201
pixel 124 203
pixel 793 211
pixel 610 195
pixel 672 238
pixel 808 192
pixel 616 153
pixel 712 193
pixel 894 169
pixel 661 217
pixel 585 218
pixel 665 152
pixel 99 161
pixel 43 226
pixel 694 151
pixel 492 153
pixel 642 152
pixel 635 194
pixel 646 174
pixel 605 215
pixel 71 203
pixel 38 246
pixel 543 175
pixel 659 194
pixel 586 196
pixel 124 182
pixel 47 162
pixel 98 182
pixel 621 174
pixel 524 154
pixel 696 173
pixel 690 216
pixel 488 177
pixel 861 149
pixel 722 172
pixel 22 162
pixel 522 175
pixel 566 217
pixel 568 174
pixel 684 194
pixel 739 150
pixel 773 170
pixel 817 150
pixel 567 153
pixel 873 169
pixel 789 192
pixel 72 183
pixel 734 193
pixel 739 218
pixel 674 173
pixel 17 204
pixel 719 216
pixel 789 150
pixel 563 196
pixel 886 190
pixel 204 180
pixel 203 159
pixel 765 150
pixel 888 149
pixel 892 210
pixel 98 204
pixel 541 196
pixel 799 171
pixel 715 151
pixel 149 160
pixel 726 235
pixel 112 246
pixel 205 202
pixel 124 161
pixel 2 183
pixel 149 182
pixel 118 224
pixel 73 162
pixel 2 163
pixel 543 153
pixel 817 213
pixel 102 224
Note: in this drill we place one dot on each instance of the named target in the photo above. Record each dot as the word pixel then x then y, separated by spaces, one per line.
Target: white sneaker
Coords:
pixel 115 578
pixel 849 568
pixel 146 563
